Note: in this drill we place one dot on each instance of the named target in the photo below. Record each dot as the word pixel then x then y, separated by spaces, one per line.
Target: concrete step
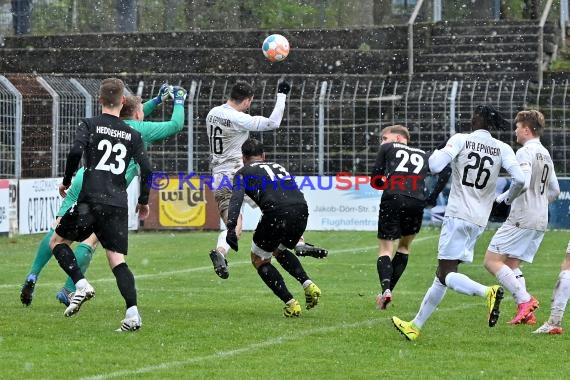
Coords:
pixel 168 60
pixel 486 39
pixel 468 67
pixel 470 29
pixel 484 48
pixel 478 57
pixel 492 23
pixel 485 22
pixel 475 76
pixel 373 38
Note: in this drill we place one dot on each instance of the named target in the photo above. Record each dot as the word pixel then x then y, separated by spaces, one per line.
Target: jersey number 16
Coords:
pixel 216 141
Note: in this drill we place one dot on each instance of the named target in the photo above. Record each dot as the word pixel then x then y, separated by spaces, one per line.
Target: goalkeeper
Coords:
pixel 133 113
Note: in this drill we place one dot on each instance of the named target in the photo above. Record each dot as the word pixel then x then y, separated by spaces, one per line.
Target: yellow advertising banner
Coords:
pixel 182 207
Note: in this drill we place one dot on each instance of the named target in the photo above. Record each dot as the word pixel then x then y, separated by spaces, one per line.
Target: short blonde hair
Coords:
pixel 533 119
pixel 397 129
pixel 132 102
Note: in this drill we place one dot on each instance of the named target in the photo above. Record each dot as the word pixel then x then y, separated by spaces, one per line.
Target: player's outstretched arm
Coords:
pixel 153 131
pixel 440 158
pixel 261 123
pixel 164 93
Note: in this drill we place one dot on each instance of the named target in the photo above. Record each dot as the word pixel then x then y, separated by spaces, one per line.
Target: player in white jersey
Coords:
pixel 228 127
pixel 520 236
pixel 476 159
pixel 560 298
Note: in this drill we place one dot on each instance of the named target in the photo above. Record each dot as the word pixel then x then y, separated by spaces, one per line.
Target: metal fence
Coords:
pixel 10 129
pixel 329 125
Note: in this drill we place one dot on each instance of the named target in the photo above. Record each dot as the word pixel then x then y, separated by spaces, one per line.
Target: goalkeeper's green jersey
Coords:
pixel 151 132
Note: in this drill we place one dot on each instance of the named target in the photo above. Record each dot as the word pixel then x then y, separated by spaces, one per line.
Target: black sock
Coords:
pixel 126 284
pixel 67 261
pixel 384 267
pixel 292 265
pixel 399 263
pixel 273 279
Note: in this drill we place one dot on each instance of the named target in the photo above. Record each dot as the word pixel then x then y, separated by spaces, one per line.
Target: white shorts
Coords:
pixel 516 242
pixel 457 239
pixel 223 186
pixel 263 254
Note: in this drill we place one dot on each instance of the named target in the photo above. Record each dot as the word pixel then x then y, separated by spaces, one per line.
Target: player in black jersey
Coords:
pixel 283 222
pixel 399 171
pixel 107 145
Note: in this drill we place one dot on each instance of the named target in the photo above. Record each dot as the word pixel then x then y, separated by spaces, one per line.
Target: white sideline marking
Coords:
pixel 255 346
pixel 209 267
pixel 241 350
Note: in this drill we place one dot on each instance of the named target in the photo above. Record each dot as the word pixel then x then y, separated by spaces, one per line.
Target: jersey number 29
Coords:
pixel 414 158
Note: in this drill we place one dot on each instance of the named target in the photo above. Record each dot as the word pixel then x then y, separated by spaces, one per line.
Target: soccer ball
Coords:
pixel 275 48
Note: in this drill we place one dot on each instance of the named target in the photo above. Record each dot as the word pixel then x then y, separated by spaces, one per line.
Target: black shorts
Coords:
pixel 399 216
pixel 109 223
pixel 281 228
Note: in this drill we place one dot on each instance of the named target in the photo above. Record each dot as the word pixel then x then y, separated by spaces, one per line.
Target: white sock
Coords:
pixel 560 298
pixel 222 242
pixel 520 277
pixel 81 284
pixel 431 300
pixel 506 277
pixel 307 283
pixel 464 285
pixel 132 311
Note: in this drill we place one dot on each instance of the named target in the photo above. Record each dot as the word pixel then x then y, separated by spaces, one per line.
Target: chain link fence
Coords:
pixel 329 125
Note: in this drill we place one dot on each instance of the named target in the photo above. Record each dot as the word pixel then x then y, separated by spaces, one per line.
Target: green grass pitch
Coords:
pixel 197 326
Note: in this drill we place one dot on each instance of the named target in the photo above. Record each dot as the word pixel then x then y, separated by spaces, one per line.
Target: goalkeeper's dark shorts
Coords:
pixel 109 223
pixel 399 216
pixel 284 227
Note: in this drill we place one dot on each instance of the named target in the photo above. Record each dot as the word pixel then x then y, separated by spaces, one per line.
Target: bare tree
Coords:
pixel 21 16
pixel 382 11
pixel 170 13
pixel 126 11
pixel 531 9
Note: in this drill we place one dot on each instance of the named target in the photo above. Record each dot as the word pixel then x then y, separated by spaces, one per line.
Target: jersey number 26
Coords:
pixel 483 173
